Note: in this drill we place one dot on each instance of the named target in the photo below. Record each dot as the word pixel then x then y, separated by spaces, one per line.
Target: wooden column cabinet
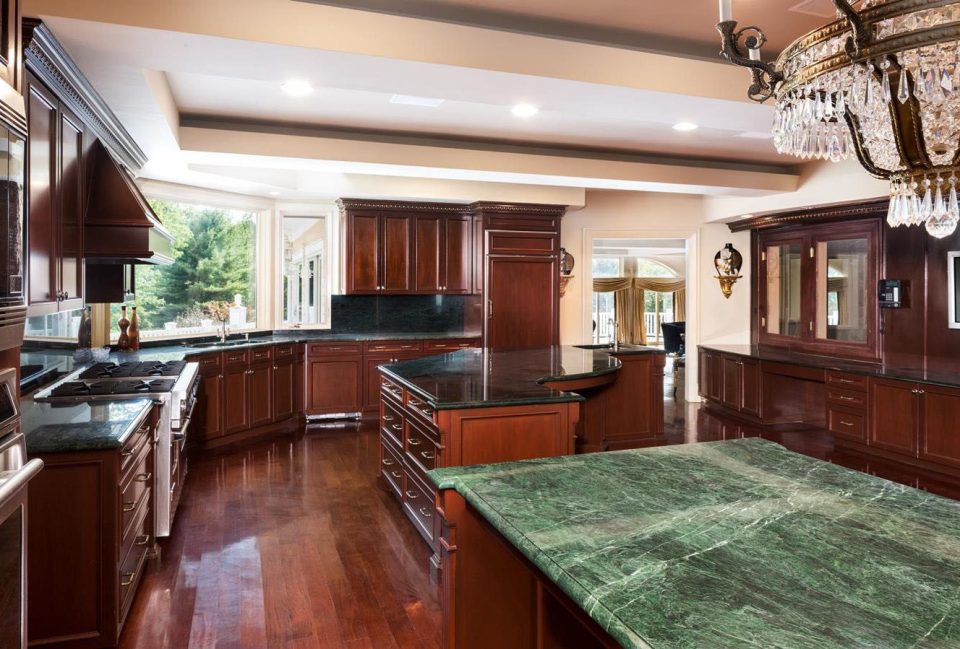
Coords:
pixel 236 390
pixel 55 203
pixel 209 415
pixel 284 382
pixel 260 396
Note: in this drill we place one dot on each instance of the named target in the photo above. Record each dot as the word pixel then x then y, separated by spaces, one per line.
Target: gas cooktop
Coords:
pixel 111 386
pixel 133 370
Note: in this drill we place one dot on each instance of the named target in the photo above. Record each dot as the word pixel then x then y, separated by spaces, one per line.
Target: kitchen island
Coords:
pixel 480 406
pixel 716 545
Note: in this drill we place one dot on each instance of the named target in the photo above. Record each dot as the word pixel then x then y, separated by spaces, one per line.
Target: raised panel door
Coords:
pixel 396 250
pixel 521 309
pixel 477 250
pixel 750 381
pixel 940 410
pixel 260 397
pixel 428 231
pixel 363 253
pixel 371 392
pixel 236 409
pixel 284 383
pixel 731 373
pixel 210 405
pixel 457 256
pixel 335 385
pixel 42 281
pixel 714 378
pixel 71 208
pixel 894 413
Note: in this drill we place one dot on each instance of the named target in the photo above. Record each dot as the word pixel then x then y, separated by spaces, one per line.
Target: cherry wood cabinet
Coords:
pixel 444 254
pixel 236 390
pixel 894 416
pixel 91 531
pixel 284 387
pixel 522 301
pixel 379 249
pixel 261 394
pixel 55 203
pixel 916 420
pixel 939 439
pixel 11 61
pixel 732 382
pixel 334 378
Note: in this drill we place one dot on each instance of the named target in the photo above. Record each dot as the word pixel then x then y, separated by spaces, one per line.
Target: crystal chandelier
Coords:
pixel 882 83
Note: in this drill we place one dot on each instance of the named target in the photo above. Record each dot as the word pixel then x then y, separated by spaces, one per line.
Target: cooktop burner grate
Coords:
pixel 133 369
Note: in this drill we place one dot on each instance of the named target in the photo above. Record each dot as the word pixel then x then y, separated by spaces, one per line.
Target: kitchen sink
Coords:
pixel 217 343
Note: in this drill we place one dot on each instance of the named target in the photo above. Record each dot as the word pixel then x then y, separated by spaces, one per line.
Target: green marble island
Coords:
pixel 730 544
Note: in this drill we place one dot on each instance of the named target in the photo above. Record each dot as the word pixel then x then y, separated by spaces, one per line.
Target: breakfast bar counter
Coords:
pixel 728 544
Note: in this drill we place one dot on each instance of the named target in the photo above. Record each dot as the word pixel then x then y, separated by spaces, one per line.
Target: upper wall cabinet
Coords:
pixel 393 248
pixel 12 109
pixel 816 289
pixel 55 202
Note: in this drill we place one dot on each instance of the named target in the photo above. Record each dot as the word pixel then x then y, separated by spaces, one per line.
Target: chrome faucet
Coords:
pixel 223 331
pixel 616 337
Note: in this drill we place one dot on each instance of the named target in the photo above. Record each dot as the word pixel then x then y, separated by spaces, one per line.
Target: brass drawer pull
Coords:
pixel 144 477
pixel 425 512
pixel 847 424
pixel 388 418
pixel 843 380
pixel 396 475
pixel 142 540
pixel 129 507
pixel 388 462
pixel 844 397
pixel 126 453
pixel 426 412
pixel 397 427
pixel 415 441
pixel 127 578
pixel 412 495
pixel 427 455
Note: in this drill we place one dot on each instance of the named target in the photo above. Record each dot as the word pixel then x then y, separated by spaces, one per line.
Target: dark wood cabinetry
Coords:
pixel 55 203
pixel 334 378
pixel 916 420
pixel 11 62
pixel 91 528
pixel 379 252
pixel 732 382
pixel 443 253
pixel 246 393
pixel 894 416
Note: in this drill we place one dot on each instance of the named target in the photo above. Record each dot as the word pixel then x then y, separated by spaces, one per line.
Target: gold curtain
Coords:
pixel 680 305
pixel 612 284
pixel 655 284
pixel 628 309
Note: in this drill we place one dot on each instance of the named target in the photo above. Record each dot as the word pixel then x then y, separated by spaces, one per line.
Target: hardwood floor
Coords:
pixel 292 544
pixel 289 544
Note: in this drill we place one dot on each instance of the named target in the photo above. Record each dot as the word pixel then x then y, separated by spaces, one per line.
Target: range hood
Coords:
pixel 120 226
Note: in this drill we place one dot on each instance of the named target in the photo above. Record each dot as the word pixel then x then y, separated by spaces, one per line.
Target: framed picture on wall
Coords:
pixel 953 288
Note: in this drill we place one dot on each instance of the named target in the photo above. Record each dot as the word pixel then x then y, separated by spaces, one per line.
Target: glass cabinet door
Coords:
pixel 783 290
pixel 843 290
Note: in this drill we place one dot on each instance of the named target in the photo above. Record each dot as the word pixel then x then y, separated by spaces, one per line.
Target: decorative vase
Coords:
pixel 123 342
pixel 134 331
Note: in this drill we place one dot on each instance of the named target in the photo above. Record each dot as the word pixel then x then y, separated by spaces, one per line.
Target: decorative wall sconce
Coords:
pixel 728 261
pixel 567 263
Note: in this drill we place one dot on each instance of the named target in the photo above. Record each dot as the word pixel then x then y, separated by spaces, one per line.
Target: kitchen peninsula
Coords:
pixel 480 406
pixel 727 544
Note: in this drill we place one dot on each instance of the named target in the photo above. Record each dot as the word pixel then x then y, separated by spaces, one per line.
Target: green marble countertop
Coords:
pixel 731 544
pixel 74 427
pixel 483 378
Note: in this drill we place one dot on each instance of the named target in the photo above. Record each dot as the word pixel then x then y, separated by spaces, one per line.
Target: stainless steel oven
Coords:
pixel 15 474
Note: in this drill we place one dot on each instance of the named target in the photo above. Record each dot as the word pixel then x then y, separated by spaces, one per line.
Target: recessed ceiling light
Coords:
pixel 525 110
pixel 412 100
pixel 685 127
pixel 296 87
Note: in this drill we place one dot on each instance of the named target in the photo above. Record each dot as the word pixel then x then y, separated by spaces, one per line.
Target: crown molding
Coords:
pixel 874 208
pixel 46 59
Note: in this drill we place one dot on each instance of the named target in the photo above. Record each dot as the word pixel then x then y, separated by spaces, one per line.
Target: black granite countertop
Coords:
pixel 62 358
pixel 481 378
pixel 945 379
pixel 73 427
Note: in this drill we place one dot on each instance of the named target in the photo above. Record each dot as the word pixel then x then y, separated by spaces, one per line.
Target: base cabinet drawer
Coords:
pixel 391 467
pixel 418 503
pixel 847 424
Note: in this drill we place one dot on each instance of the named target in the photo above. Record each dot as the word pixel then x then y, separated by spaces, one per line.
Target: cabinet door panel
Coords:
pixel 457 256
pixel 522 302
pixel 363 241
pixel 428 233
pixel 260 396
pixel 71 211
pixel 714 377
pixel 41 166
pixel 940 441
pixel 731 382
pixel 236 410
pixel 396 250
pixel 210 405
pixel 893 421
pixel 283 390
pixel 335 385
pixel 750 388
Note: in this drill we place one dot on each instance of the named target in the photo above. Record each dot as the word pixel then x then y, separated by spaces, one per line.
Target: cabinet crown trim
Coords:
pixel 46 58
pixel 363 204
pixel 813 214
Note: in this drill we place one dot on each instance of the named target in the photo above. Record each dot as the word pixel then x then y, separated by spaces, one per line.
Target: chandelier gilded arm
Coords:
pixel 765 75
pixel 861 35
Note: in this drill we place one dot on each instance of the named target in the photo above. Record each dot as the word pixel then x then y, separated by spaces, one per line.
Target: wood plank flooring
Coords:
pixel 290 543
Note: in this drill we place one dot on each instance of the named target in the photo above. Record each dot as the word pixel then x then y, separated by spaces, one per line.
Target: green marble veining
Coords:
pixel 483 378
pixel 731 544
pixel 74 427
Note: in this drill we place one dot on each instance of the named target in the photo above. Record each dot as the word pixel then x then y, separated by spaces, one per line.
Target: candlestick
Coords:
pixel 726 10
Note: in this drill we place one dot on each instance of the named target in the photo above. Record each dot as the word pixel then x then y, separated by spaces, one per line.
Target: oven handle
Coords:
pixel 20 479
pixel 181 433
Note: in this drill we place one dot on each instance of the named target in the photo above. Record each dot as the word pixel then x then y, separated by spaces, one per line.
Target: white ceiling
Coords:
pixel 206 78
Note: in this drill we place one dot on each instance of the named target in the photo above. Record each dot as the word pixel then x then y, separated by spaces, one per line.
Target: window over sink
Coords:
pixel 305 271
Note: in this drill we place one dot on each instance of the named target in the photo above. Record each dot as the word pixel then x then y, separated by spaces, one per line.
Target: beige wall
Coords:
pixel 820 183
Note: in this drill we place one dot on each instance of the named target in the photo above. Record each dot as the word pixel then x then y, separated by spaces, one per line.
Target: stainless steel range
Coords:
pixel 173 386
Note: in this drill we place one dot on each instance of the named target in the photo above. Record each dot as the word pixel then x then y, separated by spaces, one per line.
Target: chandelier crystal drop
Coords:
pixel 881 83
